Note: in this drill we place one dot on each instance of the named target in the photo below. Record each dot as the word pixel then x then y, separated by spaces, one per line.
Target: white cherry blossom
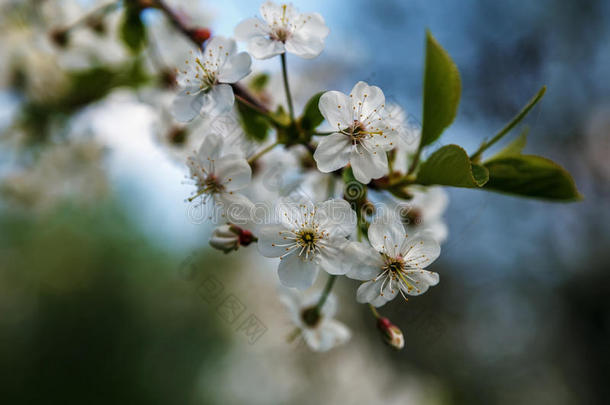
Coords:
pixel 362 133
pixel 218 177
pixel 317 328
pixel 308 237
pixel 205 80
pixel 395 263
pixel 283 29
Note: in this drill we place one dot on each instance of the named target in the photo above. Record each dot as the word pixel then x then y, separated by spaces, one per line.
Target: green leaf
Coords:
pixel 531 176
pixel 514 148
pixel 255 125
pixel 442 88
pixel 132 30
pixel 450 166
pixel 312 117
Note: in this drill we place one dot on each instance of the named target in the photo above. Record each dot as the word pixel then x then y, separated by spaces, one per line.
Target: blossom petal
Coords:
pixel 304 46
pixel 220 99
pixel 265 48
pixel 297 271
pixel 234 173
pixel 371 292
pixel 368 100
pixel 236 208
pixel 330 258
pixel 368 165
pixel 420 250
pixel 333 152
pixel 364 262
pixel 330 333
pixel 313 26
pixel 187 106
pixel 335 108
pixel 235 68
pixel 210 150
pixel 272 240
pixel 218 50
pixel 387 236
pixel 336 217
pixel 419 281
pixel 251 27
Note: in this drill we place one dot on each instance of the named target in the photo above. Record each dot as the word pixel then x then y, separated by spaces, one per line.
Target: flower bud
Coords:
pixel 391 334
pixel 230 237
pixel 200 35
pixel 223 238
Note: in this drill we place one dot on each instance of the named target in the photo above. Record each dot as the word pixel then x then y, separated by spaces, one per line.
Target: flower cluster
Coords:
pixel 307 230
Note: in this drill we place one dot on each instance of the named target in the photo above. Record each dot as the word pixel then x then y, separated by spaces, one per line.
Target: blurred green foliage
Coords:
pixel 93 312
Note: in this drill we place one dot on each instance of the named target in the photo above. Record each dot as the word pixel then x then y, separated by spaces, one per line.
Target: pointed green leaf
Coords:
pixel 442 89
pixel 531 176
pixel 514 148
pixel 311 114
pixel 450 166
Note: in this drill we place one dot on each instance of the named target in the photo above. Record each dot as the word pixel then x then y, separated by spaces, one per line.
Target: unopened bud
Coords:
pixel 391 334
pixel 223 238
pixel 200 35
pixel 230 237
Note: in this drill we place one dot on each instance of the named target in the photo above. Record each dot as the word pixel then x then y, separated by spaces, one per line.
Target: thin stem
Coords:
pixel 260 153
pixel 485 145
pixel 374 311
pixel 287 86
pixel 323 133
pixel 326 291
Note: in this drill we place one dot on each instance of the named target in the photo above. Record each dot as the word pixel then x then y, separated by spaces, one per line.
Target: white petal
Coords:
pixel 371 292
pixel 272 12
pixel 264 48
pixel 292 213
pixel 335 108
pixel 436 229
pixel 420 250
pixel 387 235
pixel 220 99
pixel 419 281
pixel 210 149
pixel 330 258
pixel 363 261
pixel 330 333
pixel 218 50
pixel 333 152
pixel 369 100
pixel 368 165
pixel 233 173
pixel 272 240
pixel 236 208
pixel 304 46
pixel 313 27
pixel 235 68
pixel 251 27
pixel 296 271
pixel 337 217
pixel 187 106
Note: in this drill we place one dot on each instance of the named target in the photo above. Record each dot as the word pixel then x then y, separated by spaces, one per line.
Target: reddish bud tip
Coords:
pixel 200 35
pixel 391 334
pixel 245 237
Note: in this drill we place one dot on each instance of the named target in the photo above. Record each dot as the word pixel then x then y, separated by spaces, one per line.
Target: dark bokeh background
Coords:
pixel 95 305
